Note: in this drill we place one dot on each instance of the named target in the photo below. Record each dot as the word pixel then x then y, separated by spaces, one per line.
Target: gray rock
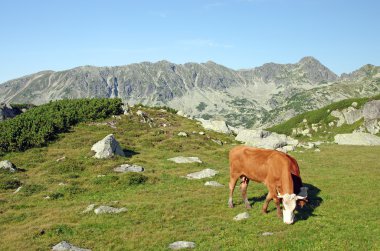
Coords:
pixel 289 148
pixel 89 208
pixel 7 112
pixel 215 125
pixel 213 184
pixel 201 133
pixel 109 210
pixel 129 168
pixel 372 126
pixel 18 189
pixel 267 234
pixel 351 115
pixel 363 139
pixel 65 246
pixel 247 134
pixel 354 104
pixel 182 160
pixel 338 114
pixel 182 134
pixel 241 216
pixel 181 245
pixel 8 166
pixel 217 141
pixel 206 173
pixel 107 148
pixel 371 110
pixel 317 150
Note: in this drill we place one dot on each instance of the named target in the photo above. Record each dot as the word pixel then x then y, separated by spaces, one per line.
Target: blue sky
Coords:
pixel 61 34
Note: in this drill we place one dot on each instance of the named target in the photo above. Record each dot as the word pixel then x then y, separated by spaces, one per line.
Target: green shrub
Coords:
pixel 39 125
pixel 9 183
pixel 28 190
pixel 136 179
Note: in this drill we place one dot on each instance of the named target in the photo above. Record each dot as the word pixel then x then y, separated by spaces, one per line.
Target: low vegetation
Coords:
pixel 164 207
pixel 39 125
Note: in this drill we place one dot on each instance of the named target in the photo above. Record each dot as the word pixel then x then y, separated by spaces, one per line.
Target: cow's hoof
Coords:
pixel 248 206
pixel 264 211
pixel 230 205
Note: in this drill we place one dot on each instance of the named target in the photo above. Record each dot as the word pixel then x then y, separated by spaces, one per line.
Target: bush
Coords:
pixel 39 125
pixel 28 190
pixel 136 179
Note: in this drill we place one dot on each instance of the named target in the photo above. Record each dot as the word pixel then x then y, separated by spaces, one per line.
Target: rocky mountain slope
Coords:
pixel 261 96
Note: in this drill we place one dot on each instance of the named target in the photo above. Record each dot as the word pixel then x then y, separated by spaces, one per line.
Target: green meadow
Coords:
pixel 164 207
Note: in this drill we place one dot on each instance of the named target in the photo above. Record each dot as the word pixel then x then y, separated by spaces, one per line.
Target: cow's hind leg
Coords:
pixel 233 180
pixel 243 188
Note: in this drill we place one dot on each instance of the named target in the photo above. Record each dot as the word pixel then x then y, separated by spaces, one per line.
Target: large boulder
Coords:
pixel 371 110
pixel 215 125
pixel 358 138
pixel 107 148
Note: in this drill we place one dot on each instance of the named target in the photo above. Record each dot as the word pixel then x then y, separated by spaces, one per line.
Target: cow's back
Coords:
pixel 258 164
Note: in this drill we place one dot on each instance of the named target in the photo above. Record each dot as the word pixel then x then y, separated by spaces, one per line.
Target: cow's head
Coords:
pixel 289 204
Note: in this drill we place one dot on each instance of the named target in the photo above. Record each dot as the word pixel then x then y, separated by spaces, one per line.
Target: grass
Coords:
pixel 163 207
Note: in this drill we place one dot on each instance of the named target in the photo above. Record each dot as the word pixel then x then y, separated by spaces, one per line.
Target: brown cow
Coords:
pixel 277 170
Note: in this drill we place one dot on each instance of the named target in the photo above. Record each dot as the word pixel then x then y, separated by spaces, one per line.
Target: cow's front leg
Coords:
pixel 266 202
pixel 279 211
pixel 243 188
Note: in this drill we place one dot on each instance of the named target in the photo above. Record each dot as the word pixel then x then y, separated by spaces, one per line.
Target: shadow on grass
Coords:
pixel 314 201
pixel 129 153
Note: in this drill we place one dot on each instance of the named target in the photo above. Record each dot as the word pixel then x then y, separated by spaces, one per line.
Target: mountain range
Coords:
pixel 257 97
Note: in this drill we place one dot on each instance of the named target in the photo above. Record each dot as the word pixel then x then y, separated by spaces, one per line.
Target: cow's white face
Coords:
pixel 289 203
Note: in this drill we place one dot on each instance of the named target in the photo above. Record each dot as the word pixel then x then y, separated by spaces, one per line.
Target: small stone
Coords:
pixel 354 104
pixel 100 175
pixel 65 246
pixel 109 210
pixel 213 184
pixel 128 168
pixel 182 134
pixel 201 133
pixel 61 159
pixel 182 159
pixel 62 184
pixel 241 216
pixel 267 234
pixel 18 189
pixel 317 150
pixel 89 208
pixel 181 245
pixel 219 142
pixel 206 173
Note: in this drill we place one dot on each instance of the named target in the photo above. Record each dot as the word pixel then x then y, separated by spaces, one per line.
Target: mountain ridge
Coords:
pixel 252 97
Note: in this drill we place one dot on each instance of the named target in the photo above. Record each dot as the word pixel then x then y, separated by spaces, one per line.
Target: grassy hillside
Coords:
pixel 342 213
pixel 322 117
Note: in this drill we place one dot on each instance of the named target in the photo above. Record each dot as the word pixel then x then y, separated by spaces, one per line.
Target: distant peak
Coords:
pixel 308 60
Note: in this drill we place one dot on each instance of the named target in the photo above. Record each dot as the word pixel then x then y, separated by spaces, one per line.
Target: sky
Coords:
pixel 57 35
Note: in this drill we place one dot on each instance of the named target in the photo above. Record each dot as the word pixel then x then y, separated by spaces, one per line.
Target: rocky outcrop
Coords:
pixel 267 140
pixel 109 210
pixel 107 148
pixel 215 125
pixel 7 112
pixel 362 139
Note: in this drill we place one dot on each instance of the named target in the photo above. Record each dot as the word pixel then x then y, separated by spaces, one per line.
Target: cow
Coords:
pixel 277 170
